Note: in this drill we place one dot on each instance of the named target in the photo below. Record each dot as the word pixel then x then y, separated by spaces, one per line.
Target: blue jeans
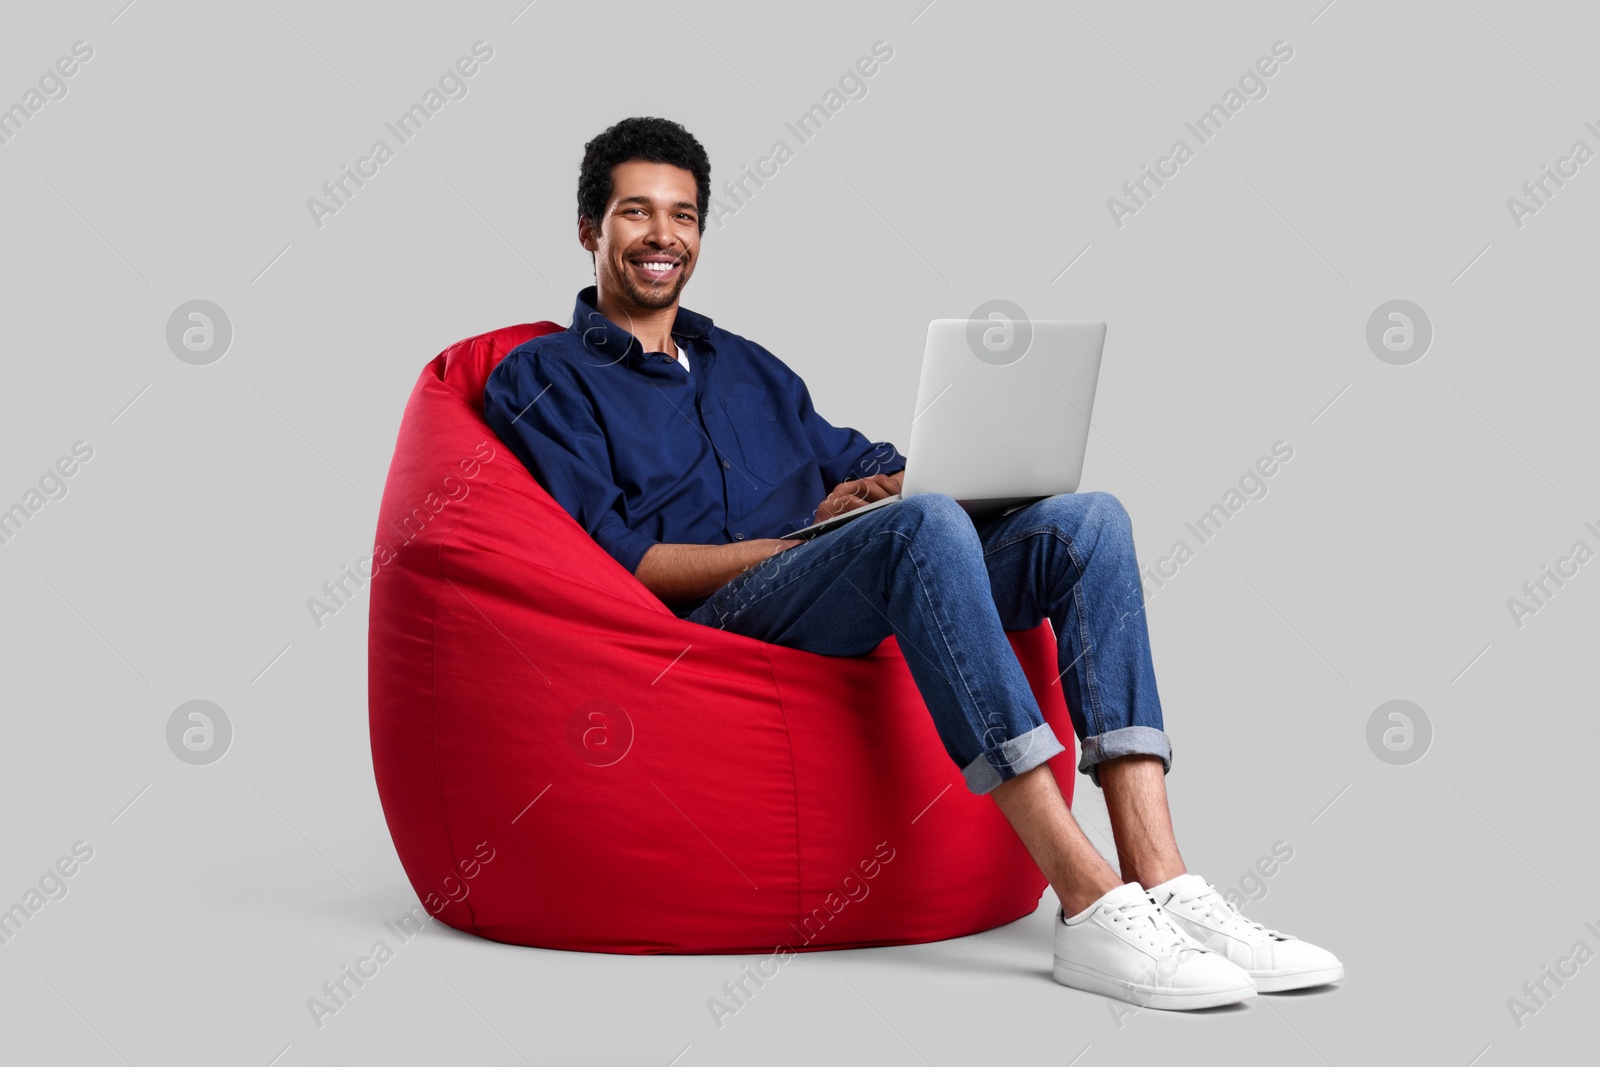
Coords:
pixel 948 589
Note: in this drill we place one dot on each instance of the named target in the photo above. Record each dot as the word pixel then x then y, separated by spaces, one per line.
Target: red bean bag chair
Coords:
pixel 564 763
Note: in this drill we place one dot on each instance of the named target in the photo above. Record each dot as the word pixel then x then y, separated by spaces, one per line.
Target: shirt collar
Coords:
pixel 612 343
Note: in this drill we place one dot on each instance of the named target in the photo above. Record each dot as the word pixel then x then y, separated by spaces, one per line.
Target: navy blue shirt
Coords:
pixel 641 451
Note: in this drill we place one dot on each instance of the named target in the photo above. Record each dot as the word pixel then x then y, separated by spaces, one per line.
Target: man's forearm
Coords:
pixel 679 573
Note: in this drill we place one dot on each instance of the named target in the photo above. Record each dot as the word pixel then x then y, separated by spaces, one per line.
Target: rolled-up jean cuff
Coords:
pixel 1128 741
pixel 1010 758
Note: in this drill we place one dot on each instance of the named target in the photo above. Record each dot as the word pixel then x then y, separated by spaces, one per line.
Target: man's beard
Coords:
pixel 653 296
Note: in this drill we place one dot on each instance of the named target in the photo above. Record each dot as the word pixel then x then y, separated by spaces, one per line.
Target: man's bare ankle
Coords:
pixel 1153 874
pixel 1080 897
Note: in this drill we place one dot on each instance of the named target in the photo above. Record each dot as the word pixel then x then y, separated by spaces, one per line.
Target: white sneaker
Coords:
pixel 1275 961
pixel 1122 946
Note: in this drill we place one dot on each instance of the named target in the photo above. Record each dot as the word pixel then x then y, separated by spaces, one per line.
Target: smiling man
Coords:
pixel 680 447
pixel 686 451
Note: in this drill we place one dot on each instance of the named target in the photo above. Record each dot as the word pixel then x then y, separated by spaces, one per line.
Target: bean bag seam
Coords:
pixel 433 710
pixel 794 780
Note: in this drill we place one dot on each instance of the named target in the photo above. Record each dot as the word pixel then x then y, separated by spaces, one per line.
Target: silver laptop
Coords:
pixel 1002 415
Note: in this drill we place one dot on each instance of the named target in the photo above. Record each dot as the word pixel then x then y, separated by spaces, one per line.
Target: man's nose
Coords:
pixel 660 233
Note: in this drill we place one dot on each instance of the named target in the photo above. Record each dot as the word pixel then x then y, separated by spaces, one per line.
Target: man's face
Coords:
pixel 646 245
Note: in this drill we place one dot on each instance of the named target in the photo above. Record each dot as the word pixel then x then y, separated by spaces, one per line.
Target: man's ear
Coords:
pixel 587 235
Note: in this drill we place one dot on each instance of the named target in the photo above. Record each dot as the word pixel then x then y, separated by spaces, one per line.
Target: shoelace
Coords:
pixel 1147 923
pixel 1220 909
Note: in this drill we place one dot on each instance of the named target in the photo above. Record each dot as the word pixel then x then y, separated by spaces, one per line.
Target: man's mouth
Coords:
pixel 656 269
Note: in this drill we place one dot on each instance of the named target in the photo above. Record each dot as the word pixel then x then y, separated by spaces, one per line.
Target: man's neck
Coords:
pixel 652 326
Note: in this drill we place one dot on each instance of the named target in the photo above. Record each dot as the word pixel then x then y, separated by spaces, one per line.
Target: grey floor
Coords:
pixel 210 953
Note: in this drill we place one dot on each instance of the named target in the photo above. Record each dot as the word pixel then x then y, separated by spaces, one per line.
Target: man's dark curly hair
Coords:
pixel 652 140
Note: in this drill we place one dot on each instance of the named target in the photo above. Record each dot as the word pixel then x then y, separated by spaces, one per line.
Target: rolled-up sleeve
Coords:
pixel 549 423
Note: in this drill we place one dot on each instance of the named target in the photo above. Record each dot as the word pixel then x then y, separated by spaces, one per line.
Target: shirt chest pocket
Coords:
pixel 770 445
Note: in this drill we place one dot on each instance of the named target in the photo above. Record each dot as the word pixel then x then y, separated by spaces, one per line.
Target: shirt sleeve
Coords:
pixel 548 423
pixel 843 453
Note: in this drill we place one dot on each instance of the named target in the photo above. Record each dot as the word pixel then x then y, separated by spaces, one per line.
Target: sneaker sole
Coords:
pixel 1280 983
pixel 1090 981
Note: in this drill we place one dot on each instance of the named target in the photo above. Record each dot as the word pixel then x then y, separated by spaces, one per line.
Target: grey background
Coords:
pixel 220 497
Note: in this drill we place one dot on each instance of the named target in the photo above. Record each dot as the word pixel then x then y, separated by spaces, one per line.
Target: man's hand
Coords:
pixel 677 573
pixel 847 496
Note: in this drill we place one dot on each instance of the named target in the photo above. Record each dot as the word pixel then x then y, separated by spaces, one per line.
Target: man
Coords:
pixel 685 450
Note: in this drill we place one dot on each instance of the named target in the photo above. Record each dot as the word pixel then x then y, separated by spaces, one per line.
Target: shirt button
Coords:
pixel 726 465
pixel 738 537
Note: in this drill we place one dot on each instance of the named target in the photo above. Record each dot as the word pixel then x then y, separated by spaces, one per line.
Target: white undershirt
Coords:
pixel 683 357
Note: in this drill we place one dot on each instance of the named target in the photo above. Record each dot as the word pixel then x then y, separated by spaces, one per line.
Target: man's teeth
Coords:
pixel 660 268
